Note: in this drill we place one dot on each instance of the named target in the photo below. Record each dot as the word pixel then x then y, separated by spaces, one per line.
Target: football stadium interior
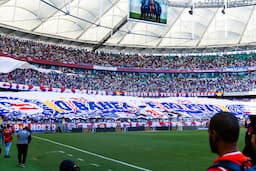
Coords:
pixel 124 84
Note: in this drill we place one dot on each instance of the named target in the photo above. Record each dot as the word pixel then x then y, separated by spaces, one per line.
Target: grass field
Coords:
pixel 137 16
pixel 158 151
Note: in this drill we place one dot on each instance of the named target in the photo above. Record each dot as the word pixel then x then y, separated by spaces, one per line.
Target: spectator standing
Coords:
pixel 23 139
pixel 1 137
pixel 223 136
pixel 7 140
pixel 250 139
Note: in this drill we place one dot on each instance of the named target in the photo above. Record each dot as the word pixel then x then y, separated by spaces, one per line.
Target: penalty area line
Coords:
pixel 93 154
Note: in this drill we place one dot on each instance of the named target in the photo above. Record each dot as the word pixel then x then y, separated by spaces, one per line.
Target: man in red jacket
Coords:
pixel 223 133
pixel 7 140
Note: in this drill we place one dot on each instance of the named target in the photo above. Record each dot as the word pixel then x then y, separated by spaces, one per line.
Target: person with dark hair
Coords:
pixel 7 140
pixel 23 139
pixel 250 139
pixel 223 133
pixel 68 165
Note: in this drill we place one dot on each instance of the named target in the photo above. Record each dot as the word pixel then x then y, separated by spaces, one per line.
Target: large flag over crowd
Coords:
pixel 75 105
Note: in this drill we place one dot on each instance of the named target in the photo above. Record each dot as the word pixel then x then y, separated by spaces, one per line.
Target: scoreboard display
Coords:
pixel 155 11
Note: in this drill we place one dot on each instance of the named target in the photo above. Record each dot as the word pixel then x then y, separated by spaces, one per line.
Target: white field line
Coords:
pixel 93 154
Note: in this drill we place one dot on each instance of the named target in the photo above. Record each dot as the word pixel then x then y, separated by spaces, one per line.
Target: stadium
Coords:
pixel 124 84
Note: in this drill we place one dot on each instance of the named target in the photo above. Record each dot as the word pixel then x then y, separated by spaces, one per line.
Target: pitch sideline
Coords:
pixel 93 154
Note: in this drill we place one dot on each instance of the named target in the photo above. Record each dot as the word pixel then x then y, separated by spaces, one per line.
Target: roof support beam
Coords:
pixel 23 8
pixel 212 3
pixel 246 25
pixel 167 30
pixel 109 34
pixel 4 1
pixel 129 32
pixel 51 15
pixel 210 22
pixel 98 18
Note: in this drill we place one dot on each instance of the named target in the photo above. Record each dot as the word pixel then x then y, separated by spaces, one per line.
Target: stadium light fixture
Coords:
pixel 191 11
pixel 223 11
pixel 211 3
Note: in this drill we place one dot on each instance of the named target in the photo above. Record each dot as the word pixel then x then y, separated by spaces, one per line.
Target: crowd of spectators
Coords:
pixel 134 81
pixel 71 55
pixel 127 81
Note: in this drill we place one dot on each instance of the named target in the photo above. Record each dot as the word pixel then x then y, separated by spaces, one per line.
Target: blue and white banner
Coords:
pixel 69 105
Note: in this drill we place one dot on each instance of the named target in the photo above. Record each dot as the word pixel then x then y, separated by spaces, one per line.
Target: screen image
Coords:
pixel 149 10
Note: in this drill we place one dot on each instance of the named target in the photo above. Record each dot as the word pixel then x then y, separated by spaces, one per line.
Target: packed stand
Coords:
pixel 127 81
pixel 71 55
pixel 134 81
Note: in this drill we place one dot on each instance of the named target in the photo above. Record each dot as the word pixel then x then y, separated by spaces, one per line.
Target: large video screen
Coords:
pixel 149 10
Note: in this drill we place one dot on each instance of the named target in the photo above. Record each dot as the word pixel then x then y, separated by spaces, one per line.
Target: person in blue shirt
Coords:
pixel 23 139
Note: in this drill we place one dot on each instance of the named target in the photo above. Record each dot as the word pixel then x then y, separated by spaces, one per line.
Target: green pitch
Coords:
pixel 158 151
pixel 135 15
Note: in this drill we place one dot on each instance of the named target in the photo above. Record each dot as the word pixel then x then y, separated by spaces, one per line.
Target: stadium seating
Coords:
pixel 182 74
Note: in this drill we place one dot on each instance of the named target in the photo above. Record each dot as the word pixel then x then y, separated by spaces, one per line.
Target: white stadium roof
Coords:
pixel 105 22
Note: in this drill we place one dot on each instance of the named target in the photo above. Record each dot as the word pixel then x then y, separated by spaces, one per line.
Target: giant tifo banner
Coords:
pixel 69 105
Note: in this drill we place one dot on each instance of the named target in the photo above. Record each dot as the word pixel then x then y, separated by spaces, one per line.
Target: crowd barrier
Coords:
pixel 139 128
pixel 59 128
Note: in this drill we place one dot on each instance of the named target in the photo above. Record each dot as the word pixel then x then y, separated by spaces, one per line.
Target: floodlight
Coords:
pixel 223 10
pixel 191 11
